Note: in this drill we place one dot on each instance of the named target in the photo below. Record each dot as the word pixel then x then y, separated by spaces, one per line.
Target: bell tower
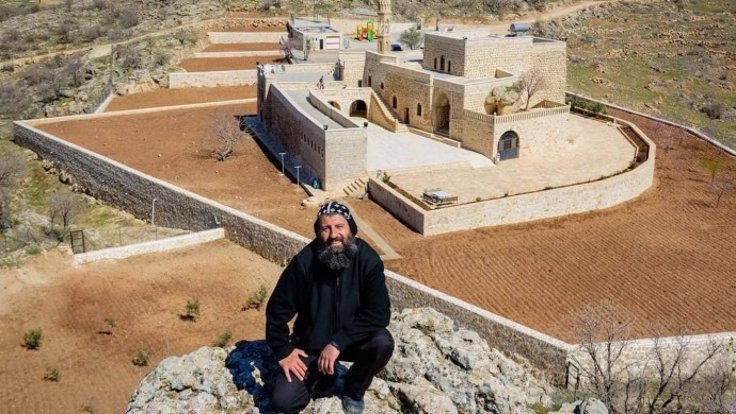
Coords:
pixel 384 26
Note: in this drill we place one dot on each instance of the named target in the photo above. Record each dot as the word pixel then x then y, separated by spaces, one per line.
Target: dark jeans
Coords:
pixel 368 357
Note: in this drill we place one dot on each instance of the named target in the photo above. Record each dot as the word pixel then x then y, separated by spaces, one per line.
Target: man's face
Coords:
pixel 334 231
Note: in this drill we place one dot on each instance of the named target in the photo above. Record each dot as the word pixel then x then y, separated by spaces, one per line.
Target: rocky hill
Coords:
pixel 436 368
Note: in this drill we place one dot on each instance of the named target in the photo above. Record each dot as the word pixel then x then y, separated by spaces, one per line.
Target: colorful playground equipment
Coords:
pixel 367 32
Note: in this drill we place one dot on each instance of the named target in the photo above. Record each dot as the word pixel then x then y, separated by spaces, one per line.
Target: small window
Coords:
pixel 449 66
pixel 360 83
pixel 435 63
pixel 395 102
pixel 370 79
pixel 381 85
pixel 442 63
pixel 419 109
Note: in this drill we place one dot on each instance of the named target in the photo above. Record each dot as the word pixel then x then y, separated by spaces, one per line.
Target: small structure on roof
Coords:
pixel 437 197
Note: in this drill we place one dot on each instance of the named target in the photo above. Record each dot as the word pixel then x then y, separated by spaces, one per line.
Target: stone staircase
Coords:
pixel 399 127
pixel 356 189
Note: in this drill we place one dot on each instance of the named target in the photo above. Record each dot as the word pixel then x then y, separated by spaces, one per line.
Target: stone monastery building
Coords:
pixel 468 89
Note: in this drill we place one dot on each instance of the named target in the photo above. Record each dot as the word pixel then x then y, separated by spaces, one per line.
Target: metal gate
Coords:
pixel 508 146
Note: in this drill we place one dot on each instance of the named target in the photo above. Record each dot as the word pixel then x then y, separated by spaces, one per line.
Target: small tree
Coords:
pixel 32 339
pixel 64 207
pixel 191 310
pixel 11 170
pixel 531 83
pixel 721 187
pixel 223 135
pixel 411 38
pixel 713 165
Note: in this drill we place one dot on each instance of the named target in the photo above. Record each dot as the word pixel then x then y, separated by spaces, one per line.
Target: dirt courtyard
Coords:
pixel 666 257
pixel 144 295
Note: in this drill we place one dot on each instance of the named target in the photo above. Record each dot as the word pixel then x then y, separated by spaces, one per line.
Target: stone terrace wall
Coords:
pixel 539 130
pixel 246 37
pixel 210 79
pixel 521 208
pixel 134 192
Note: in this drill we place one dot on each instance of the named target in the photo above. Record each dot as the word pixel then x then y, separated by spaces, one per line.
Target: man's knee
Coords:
pixel 383 343
pixel 289 397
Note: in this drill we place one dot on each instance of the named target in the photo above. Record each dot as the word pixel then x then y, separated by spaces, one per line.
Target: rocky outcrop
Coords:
pixel 435 368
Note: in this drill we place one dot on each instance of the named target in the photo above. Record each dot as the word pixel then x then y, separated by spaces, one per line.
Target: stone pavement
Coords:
pixel 589 150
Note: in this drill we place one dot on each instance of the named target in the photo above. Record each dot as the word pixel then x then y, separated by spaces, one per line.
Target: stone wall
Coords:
pixel 353 67
pixel 134 192
pixel 210 79
pixel 154 246
pixel 539 130
pixel 267 53
pixel 522 208
pixel 451 51
pixel 246 37
pixel 477 133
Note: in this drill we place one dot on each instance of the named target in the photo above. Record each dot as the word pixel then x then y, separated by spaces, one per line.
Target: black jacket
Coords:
pixel 342 306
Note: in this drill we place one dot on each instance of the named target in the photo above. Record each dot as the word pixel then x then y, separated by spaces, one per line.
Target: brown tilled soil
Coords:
pixel 665 257
pixel 217 64
pixel 182 96
pixel 262 27
pixel 143 295
pixel 241 47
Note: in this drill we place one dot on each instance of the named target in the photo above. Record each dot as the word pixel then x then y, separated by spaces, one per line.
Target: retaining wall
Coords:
pixel 134 191
pixel 269 53
pixel 154 246
pixel 214 78
pixel 246 37
pixel 578 198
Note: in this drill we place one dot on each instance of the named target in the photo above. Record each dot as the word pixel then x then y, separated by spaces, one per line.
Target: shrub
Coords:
pixel 713 109
pixel 191 310
pixel 186 37
pixel 142 357
pixel 110 322
pixel 128 58
pixel 52 374
pixel 223 339
pixel 256 299
pixel 128 18
pixel 100 4
pixel 33 249
pixel 386 178
pixel 32 339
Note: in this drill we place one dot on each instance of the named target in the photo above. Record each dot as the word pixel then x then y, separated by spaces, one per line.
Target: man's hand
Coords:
pixel 327 358
pixel 293 364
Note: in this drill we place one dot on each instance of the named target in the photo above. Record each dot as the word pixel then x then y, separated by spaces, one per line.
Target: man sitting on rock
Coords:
pixel 337 289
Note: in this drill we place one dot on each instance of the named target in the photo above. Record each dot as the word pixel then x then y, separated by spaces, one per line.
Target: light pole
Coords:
pixel 282 162
pixel 297 174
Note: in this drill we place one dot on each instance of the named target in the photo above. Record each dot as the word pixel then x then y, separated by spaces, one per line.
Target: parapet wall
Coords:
pixel 578 198
pixel 246 37
pixel 134 192
pixel 211 79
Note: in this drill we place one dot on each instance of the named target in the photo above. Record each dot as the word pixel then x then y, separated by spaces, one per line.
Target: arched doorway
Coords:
pixel 359 108
pixel 508 146
pixel 442 114
pixel 334 104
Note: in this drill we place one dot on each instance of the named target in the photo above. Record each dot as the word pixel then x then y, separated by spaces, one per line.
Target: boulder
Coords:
pixel 435 368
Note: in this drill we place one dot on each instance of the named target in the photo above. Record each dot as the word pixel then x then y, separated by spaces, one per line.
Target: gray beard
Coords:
pixel 338 260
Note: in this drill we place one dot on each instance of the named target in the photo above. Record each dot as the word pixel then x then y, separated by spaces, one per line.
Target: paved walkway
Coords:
pixel 389 151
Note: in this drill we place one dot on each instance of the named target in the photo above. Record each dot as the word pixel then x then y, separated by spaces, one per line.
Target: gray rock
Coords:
pixel 592 406
pixel 435 369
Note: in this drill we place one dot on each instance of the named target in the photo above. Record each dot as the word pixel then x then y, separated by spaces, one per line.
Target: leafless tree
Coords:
pixel 721 187
pixel 223 135
pixel 64 207
pixel 531 83
pixel 12 169
pixel 655 383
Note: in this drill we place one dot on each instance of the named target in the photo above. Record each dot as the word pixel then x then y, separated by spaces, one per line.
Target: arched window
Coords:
pixel 369 81
pixel 395 102
pixel 381 85
pixel 442 63
pixel 419 109
pixel 449 65
pixel 435 63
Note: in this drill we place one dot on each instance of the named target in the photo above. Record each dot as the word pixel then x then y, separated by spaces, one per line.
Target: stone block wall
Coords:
pixel 210 79
pixel 134 192
pixel 353 67
pixel 539 130
pixel 452 50
pixel 246 37
pixel 346 153
pixel 297 132
pixel 477 134
pixel 411 89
